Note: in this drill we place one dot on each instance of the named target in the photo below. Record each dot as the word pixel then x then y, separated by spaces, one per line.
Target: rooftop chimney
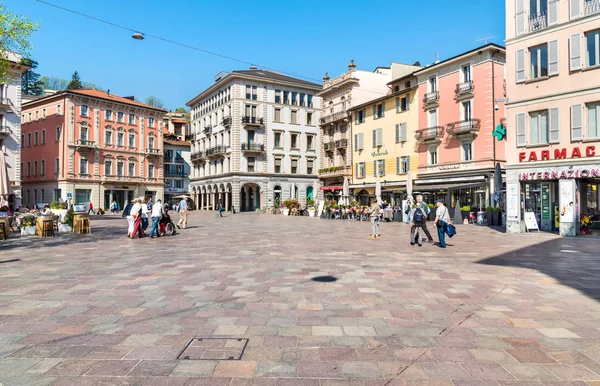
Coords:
pixel 351 66
pixel 130 98
pixel 253 67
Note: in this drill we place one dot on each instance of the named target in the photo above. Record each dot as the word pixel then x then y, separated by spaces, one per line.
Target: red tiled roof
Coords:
pixel 115 98
pixel 177 142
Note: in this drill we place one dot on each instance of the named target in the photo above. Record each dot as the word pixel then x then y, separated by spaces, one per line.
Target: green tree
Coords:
pixel 30 80
pixel 181 110
pixel 154 102
pixel 15 31
pixel 75 83
pixel 54 83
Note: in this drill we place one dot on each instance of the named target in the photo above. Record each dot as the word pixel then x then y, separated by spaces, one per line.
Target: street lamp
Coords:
pixel 138 36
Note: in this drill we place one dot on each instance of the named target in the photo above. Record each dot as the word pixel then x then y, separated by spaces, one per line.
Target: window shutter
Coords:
pixel 553 57
pixel 520 57
pixel 553 12
pixel 407 102
pixel 520 17
pixel 397 165
pixel 574 9
pixel 356 117
pixel 397 132
pixel 521 135
pixel 361 140
pixel 397 104
pixel 375 138
pixel 403 132
pixel 576 122
pixel 407 164
pixel 383 109
pixel 356 173
pixel 575 51
pixel 374 111
pixel 356 141
pixel 593 111
pixel 554 126
pixel 375 168
pixel 379 137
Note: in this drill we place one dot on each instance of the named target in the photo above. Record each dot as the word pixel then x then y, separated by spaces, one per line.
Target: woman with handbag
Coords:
pixel 442 219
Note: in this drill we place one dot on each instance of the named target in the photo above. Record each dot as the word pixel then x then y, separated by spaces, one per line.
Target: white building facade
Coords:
pixel 177 167
pixel 255 141
pixel 10 129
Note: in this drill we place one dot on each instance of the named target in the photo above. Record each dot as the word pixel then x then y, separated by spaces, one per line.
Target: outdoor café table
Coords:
pixel 4 220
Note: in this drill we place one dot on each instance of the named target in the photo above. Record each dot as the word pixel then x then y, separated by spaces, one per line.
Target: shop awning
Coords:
pixel 336 187
pixel 446 187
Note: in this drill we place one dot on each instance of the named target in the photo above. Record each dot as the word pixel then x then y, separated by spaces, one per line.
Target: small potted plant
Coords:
pixel 432 209
pixel 67 225
pixel 28 226
pixel 465 211
pixel 284 209
pixel 586 223
pixel 311 208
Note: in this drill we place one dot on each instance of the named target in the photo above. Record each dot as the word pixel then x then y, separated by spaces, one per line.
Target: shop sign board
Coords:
pixel 561 174
pixel 557 154
pixel 566 191
pixel 545 202
pixel 513 209
pixel 531 222
pixel 320 208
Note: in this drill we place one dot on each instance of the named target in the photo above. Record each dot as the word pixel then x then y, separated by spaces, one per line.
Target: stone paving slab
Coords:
pixel 491 309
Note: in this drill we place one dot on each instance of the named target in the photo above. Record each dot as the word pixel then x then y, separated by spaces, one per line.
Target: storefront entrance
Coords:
pixel 122 197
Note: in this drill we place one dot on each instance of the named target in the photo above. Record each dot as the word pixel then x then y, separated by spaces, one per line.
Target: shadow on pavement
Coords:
pixel 574 262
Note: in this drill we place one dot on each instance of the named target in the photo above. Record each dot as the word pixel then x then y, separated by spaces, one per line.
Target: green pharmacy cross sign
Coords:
pixel 499 132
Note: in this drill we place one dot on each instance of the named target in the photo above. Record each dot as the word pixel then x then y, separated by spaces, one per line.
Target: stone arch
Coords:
pixel 250 197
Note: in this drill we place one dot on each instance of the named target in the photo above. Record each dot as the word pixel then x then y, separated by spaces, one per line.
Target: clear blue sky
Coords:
pixel 305 37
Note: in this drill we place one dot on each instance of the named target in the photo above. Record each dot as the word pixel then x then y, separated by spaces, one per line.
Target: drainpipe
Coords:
pixel 490 194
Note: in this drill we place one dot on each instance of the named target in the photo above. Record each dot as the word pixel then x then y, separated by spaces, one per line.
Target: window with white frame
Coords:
pixel 294 98
pixel 151 142
pixel 131 139
pixel 150 170
pixel 251 92
pixel 403 104
pixel 131 167
pixel 108 167
pixel 310 142
pixel 309 118
pixel 83 165
pixel 57 166
pixel 120 116
pixel 131 119
pixel 593 115
pixel 294 166
pixel 294 116
pixel 84 111
pixel 108 115
pixel 251 163
pixel 120 138
pixel 466 150
pixel 277 115
pixel 538 128
pixel 120 167
pixel 403 165
pixel 277 96
pixel 83 133
pixel 379 110
pixel 538 61
pixel 432 84
pixel 277 165
pixel 432 118
pixel 277 136
pixel 593 48
pixel 361 170
pixel 108 137
pixel 310 166
pixel 465 73
pixel 294 141
pixel 43 113
pixel 360 116
pixel 42 167
pixel 432 155
pixel 465 112
pixel 151 122
pixel 379 168
pixel 538 8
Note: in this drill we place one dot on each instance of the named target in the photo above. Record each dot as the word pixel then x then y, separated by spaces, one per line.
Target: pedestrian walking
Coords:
pixel 442 219
pixel 425 207
pixel 145 211
pixel 114 207
pixel 136 215
pixel 220 209
pixel 407 209
pixel 157 214
pixel 149 203
pixel 374 215
pixel 91 208
pixel 417 217
pixel 182 209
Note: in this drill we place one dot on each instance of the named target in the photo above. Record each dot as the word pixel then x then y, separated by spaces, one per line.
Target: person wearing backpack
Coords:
pixel 417 221
pixel 425 207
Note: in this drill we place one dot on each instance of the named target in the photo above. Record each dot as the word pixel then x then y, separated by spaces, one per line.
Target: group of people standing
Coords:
pixel 417 218
pixel 140 210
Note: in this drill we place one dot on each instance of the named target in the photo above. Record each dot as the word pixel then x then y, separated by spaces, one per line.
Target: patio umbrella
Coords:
pixel 316 191
pixel 457 214
pixel 497 182
pixel 378 189
pixel 346 191
pixel 4 182
pixel 409 184
pixel 292 191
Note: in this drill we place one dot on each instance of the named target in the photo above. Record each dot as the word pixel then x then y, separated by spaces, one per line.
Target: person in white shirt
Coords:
pixel 136 215
pixel 442 219
pixel 145 211
pixel 157 214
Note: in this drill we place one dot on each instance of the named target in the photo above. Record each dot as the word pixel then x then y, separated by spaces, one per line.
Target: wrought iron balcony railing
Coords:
pixel 464 88
pixel 85 143
pixel 341 143
pixel 207 130
pixel 334 117
pixel 329 146
pixel 468 126
pixel 252 121
pixel 430 134
pixel 227 121
pixel 592 7
pixel 153 151
pixel 253 147
pixel 5 130
pixel 538 21
pixel 431 98
pixel 198 156
pixel 216 151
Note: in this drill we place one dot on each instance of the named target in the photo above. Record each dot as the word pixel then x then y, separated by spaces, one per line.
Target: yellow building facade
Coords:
pixel 383 139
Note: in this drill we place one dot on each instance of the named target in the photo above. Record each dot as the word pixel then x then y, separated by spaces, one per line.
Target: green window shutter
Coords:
pixel 397 132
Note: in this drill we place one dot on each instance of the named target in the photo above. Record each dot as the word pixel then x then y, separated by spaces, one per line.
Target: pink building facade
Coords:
pixel 553 114
pixel 90 146
pixel 457 116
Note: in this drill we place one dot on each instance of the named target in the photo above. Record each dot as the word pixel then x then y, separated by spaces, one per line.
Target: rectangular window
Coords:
pixel 131 167
pixel 108 167
pixel 43 113
pixel 379 110
pixel 277 165
pixel 538 133
pixel 309 119
pixel 108 137
pixel 294 117
pixel 278 140
pixel 42 168
pixel 294 98
pixel 310 142
pixel 43 137
pixel 58 110
pixel 277 115
pixel 302 99
pixel 379 168
pixel 28 168
pixel 432 118
pixel 131 119
pixel 466 73
pixel 294 166
pixel 403 165
pixel 539 61
pixel 401 132
pixel 309 101
pixel 251 163
pixel 131 140
pixel 593 48
pixel 150 122
pixel 150 170
pixel 432 155
pixel 120 168
pixel 57 166
pixel 35 168
pixel 251 92
pixel 286 97
pixel 360 116
pixel 359 141
pixel 120 139
pixel 466 111
pixel 432 85
pixel 309 166
pixel 82 196
pixel 178 184
pixel 28 139
pixel 277 96
pixel 466 150
pixel 151 142
pixel 35 138
pixel 58 133
pixel 83 166
pixel 84 111
pixel 120 116
pixel 361 170
pixel 108 115
pixel 593 113
pixel 294 141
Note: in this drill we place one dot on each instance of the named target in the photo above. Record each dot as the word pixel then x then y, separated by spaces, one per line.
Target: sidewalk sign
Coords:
pixel 320 209
pixel 531 222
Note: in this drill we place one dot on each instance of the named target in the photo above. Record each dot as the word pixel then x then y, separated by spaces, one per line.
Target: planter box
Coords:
pixel 432 215
pixel 61 213
pixel 285 211
pixel 466 215
pixel 311 213
pixel 64 228
pixel 489 218
pixel 28 231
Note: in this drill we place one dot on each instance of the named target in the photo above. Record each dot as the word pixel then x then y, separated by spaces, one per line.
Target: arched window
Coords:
pixel 108 135
pixel 120 137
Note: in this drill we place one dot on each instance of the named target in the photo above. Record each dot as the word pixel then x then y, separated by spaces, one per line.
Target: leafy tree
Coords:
pixel 75 83
pixel 154 102
pixel 30 80
pixel 15 32
pixel 181 110
pixel 54 83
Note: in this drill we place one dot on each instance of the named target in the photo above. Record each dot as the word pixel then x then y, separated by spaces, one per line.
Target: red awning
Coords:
pixel 332 187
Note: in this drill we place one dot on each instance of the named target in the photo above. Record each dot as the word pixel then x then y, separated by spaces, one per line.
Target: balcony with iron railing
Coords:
pixel 85 143
pixel 253 147
pixel 227 121
pixel 538 21
pixel 464 89
pixel 120 178
pixel 207 130
pixel 465 127
pixel 216 151
pixel 341 143
pixel 252 121
pixel 592 7
pixel 5 130
pixel 5 102
pixel 431 98
pixel 172 173
pixel 152 151
pixel 198 156
pixel 339 115
pixel 329 146
pixel 336 171
pixel 434 133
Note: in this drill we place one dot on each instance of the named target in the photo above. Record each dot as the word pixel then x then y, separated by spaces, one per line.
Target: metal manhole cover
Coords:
pixel 214 349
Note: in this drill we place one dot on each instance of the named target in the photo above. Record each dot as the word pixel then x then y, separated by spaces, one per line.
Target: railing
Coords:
pixel 341 143
pixel 174 174
pixel 5 130
pixel 430 133
pixel 468 126
pixel 538 21
pixel 227 121
pixel 179 160
pixel 5 102
pixel 329 146
pixel 336 171
pixel 592 7
pixel 253 147
pixel 116 177
pixel 431 97
pixel 153 151
pixel 216 151
pixel 334 117
pixel 207 130
pixel 252 120
pixel 464 87
pixel 85 143
pixel 197 156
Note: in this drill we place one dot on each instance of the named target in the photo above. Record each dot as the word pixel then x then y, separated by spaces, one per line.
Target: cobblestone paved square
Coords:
pixel 320 303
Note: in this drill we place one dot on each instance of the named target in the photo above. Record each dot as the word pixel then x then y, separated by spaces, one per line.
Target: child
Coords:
pixel 417 217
